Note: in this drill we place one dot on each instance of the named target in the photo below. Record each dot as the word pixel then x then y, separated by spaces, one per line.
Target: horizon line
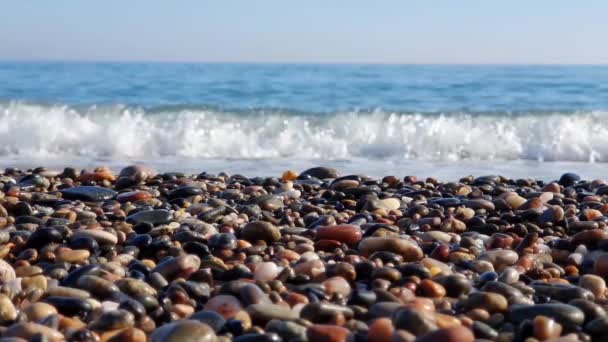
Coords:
pixel 244 62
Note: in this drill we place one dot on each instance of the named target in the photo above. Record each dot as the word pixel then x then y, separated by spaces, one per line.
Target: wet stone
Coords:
pixel 566 315
pixel 153 217
pixel 88 193
pixel 184 331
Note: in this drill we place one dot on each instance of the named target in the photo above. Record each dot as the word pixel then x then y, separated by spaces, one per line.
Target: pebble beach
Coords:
pixel 310 255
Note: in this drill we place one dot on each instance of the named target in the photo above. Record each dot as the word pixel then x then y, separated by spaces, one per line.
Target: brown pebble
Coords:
pixel 327 333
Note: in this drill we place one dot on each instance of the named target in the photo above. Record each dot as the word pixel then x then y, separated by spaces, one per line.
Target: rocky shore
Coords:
pixel 315 256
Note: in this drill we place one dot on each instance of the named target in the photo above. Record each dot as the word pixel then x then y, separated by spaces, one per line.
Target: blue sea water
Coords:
pixel 259 119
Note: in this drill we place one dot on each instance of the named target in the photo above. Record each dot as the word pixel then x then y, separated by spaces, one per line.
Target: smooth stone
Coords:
pixel 136 288
pixel 222 241
pixel 226 305
pixel 589 238
pixel 455 285
pixel 30 330
pixel 185 191
pixel 319 173
pixel 70 306
pixel 264 312
pixel 253 294
pixel 88 193
pixel 347 234
pixel 591 309
pixel 337 285
pixel 260 230
pixel 600 266
pixel 568 179
pixel 73 256
pixel 127 334
pixel 178 266
pixel 554 213
pixel 515 201
pixel 101 236
pixel 327 333
pixel 265 271
pixel 153 217
pixel 546 328
pixel 598 327
pixel 99 287
pixel 34 282
pixel 593 283
pixel 43 236
pixel 289 331
pixel 112 320
pixel 477 204
pixel 139 173
pixel 184 331
pixel 64 291
pixel 410 251
pixel 39 310
pixel 323 311
pixel 489 301
pixel 567 315
pixel 384 309
pixel 436 235
pixel 269 202
pixel 211 318
pixel 381 330
pixel 509 276
pixel 133 196
pixel 483 331
pixel 7 273
pixel 8 312
pixel 499 257
pixel 454 334
pixel 415 321
pixel 562 292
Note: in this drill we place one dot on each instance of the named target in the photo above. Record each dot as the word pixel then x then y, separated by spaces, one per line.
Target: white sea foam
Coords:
pixel 41 131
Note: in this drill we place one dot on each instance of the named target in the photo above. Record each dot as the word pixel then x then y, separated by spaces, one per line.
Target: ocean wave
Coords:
pixel 56 131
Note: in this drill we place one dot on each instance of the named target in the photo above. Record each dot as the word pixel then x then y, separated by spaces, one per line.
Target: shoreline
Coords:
pixel 133 254
pixel 375 168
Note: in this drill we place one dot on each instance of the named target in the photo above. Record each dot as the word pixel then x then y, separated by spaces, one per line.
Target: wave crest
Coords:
pixel 127 132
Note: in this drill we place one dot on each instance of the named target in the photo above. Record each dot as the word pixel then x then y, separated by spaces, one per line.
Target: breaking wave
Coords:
pixel 57 131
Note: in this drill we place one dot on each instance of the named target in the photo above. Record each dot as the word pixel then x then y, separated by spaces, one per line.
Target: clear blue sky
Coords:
pixel 334 31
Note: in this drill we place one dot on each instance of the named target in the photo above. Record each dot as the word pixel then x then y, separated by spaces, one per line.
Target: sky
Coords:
pixel 313 31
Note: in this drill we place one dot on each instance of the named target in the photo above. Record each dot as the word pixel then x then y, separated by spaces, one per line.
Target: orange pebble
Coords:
pixel 289 175
pixel 381 330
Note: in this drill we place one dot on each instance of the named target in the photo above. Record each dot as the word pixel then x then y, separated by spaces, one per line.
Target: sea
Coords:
pixel 446 121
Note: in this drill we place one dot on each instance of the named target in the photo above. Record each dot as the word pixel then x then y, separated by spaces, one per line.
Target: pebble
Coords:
pixel 566 315
pixel 593 283
pixel 415 321
pixel 8 312
pixel 265 312
pixel 337 285
pixel 327 333
pixel 454 334
pixel 153 217
pixel 39 310
pixel 88 193
pixel 266 271
pixel 408 250
pixel 310 256
pixel 347 234
pixel 184 331
pixel 260 230
pixel 29 330
pixel 178 265
pixel 546 328
pixel 7 273
pixel 100 236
